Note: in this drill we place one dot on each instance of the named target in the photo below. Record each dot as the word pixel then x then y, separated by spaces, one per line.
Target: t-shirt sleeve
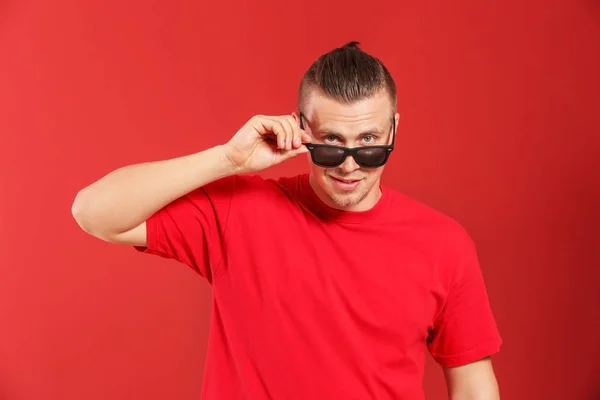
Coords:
pixel 465 330
pixel 191 229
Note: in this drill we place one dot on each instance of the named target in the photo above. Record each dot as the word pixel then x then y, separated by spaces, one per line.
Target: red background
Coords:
pixel 500 118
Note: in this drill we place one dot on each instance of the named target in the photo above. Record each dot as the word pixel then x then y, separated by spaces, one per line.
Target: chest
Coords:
pixel 367 278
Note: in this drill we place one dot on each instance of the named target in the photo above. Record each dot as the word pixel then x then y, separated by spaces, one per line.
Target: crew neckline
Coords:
pixel 325 211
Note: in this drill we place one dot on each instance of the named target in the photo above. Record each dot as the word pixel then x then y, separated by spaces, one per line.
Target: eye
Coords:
pixel 369 139
pixel 330 138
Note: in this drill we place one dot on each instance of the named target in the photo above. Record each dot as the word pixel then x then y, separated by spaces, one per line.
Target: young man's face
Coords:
pixel 364 123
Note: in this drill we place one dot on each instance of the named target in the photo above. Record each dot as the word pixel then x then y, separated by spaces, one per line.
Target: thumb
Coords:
pixel 286 155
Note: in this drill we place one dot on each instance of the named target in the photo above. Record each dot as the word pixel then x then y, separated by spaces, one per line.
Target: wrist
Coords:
pixel 227 164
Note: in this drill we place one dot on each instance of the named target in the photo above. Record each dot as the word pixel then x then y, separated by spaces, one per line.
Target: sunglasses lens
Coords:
pixel 371 157
pixel 328 156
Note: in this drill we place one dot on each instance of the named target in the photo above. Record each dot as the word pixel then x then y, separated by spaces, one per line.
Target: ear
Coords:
pixel 299 119
pixel 396 122
pixel 296 116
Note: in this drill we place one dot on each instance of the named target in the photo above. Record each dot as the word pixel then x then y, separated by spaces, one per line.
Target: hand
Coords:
pixel 265 141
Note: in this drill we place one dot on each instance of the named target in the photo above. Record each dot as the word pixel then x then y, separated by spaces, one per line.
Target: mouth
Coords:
pixel 345 184
pixel 345 180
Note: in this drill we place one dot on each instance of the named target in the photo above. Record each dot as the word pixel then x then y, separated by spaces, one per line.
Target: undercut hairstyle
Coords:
pixel 347 74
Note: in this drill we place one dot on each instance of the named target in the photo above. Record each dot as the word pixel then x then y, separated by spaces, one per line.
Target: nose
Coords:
pixel 349 165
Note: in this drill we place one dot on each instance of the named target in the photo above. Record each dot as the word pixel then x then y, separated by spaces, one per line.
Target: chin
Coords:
pixel 345 202
pixel 342 197
pixel 346 199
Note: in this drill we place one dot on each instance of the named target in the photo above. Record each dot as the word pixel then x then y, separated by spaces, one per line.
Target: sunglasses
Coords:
pixel 330 156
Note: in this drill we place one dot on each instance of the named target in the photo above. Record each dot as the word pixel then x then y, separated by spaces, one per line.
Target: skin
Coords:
pixel 474 381
pixel 364 123
pixel 115 207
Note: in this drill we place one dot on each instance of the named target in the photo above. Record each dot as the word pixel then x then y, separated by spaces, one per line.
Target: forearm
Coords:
pixel 474 381
pixel 483 387
pixel 128 196
pixel 481 394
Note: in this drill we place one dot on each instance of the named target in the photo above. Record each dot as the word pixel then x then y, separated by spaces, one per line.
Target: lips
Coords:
pixel 345 180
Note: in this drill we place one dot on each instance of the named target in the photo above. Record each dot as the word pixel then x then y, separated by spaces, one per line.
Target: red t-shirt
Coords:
pixel 314 303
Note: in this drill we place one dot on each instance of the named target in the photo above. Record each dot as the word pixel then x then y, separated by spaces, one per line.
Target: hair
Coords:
pixel 348 74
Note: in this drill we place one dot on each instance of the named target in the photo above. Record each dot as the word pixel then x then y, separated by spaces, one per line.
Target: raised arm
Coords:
pixel 115 207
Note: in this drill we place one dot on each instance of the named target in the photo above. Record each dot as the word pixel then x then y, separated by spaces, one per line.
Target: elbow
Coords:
pixel 81 212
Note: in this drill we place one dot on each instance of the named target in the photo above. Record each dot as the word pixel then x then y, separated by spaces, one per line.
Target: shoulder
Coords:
pixel 242 185
pixel 409 207
pixel 445 242
pixel 432 224
pixel 253 192
pixel 254 185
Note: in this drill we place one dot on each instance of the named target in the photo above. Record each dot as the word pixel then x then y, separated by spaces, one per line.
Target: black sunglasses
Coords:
pixel 330 156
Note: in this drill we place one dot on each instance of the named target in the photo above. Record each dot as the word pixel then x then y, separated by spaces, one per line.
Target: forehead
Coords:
pixel 326 114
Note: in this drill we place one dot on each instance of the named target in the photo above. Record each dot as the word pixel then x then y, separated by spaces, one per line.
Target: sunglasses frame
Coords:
pixel 350 151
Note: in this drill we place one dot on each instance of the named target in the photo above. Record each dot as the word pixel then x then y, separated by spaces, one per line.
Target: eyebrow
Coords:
pixel 372 131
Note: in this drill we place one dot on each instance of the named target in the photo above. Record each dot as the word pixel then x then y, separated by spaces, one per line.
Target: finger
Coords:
pixel 294 132
pixel 298 133
pixel 289 130
pixel 282 135
pixel 267 126
pixel 284 131
pixel 286 155
pixel 305 137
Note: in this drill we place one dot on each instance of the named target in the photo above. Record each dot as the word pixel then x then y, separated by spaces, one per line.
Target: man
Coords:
pixel 326 285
